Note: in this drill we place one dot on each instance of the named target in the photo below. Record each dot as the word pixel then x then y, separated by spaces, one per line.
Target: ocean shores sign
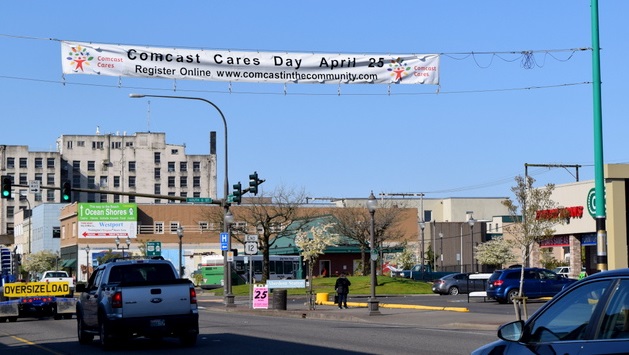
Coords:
pixel 254 67
pixel 107 220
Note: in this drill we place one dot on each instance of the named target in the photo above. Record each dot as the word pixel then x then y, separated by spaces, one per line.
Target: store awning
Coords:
pixel 68 263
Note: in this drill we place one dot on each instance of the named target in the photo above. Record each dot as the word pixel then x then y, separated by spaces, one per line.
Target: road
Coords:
pixel 327 330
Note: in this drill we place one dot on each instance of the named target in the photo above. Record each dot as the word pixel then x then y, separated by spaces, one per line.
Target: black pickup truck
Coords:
pixel 127 298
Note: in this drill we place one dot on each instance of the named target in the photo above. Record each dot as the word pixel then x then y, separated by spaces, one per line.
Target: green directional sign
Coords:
pixel 199 199
pixel 107 212
pixel 153 248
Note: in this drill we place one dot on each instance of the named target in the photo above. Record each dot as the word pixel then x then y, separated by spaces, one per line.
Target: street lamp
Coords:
pixel 422 225
pixel 87 262
pixel 441 249
pixel 229 297
pixel 372 204
pixel 471 223
pixel 128 242
pixel 180 234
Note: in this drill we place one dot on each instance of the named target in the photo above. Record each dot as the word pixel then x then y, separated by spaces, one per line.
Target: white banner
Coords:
pixel 253 67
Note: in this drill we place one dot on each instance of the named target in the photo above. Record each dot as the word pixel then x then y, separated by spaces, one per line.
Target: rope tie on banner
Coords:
pixel 229 87
pixel 63 79
pixel 174 84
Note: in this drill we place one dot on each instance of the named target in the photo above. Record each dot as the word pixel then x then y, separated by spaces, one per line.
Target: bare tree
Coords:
pixel 268 216
pixel 354 223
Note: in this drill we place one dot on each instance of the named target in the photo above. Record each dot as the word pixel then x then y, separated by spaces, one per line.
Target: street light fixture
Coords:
pixel 128 242
pixel 229 297
pixel 87 262
pixel 471 222
pixel 180 234
pixel 372 204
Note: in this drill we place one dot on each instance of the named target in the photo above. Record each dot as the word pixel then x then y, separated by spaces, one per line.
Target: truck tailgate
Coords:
pixel 155 300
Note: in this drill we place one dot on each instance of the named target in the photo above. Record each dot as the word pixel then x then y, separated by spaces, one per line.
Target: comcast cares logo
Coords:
pixel 398 69
pixel 78 57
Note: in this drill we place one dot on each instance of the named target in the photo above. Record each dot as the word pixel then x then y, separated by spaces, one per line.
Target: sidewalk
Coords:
pixel 392 314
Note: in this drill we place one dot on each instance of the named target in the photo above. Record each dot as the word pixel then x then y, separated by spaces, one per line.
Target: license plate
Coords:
pixel 158 322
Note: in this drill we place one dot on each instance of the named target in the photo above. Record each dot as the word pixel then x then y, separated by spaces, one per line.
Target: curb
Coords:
pixel 400 306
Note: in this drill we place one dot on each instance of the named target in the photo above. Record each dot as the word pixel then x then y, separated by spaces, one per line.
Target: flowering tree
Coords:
pixel 313 243
pixel 497 251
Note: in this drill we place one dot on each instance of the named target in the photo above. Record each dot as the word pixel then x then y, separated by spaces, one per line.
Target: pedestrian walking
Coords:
pixel 342 289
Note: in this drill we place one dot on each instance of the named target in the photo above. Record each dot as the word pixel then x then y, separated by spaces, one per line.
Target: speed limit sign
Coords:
pixel 251 248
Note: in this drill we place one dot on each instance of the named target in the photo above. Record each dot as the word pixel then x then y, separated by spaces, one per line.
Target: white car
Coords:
pixel 562 270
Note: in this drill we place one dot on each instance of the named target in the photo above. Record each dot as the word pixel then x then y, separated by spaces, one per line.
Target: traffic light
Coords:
pixel 253 183
pixel 66 192
pixel 237 193
pixel 6 186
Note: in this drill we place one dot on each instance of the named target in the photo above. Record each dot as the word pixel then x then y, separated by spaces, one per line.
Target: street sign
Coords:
pixel 260 297
pixel 224 237
pixel 251 248
pixel 153 248
pixel 34 186
pixel 199 200
pixel 251 238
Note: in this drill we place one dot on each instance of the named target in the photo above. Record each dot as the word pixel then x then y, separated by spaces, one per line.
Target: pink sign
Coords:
pixel 260 296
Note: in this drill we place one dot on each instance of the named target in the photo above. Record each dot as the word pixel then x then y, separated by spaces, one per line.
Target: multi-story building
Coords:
pixel 23 166
pixel 142 163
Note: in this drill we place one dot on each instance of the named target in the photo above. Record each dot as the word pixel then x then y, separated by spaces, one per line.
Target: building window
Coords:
pixel 50 163
pixel 39 163
pixel 157 173
pixel 91 197
pixel 116 198
pixel 76 165
pixel 183 194
pixel 158 188
pixel 157 158
pixel 196 166
pixel 23 163
pixel 103 197
pixel 183 166
pixel 171 166
pixel 131 166
pixel 196 194
pixel 174 151
pixel 10 163
pixel 91 182
pixel 173 227
pixel 171 181
pixel 196 181
pixel 80 143
pixel 171 194
pixel 116 145
pixel 128 144
pixel 76 180
pixel 132 199
pixel 204 226
pixel 183 181
pixel 50 195
pixel 23 179
pixel 69 144
pixel 38 197
pixel 50 179
pixel 159 228
pixel 103 182
pixel 116 181
pixel 132 181
pixel 98 145
pixel 91 165
pixel 10 211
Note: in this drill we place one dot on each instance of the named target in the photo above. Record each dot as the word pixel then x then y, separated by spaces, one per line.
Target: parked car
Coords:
pixel 454 284
pixel 504 285
pixel 588 317
pixel 562 270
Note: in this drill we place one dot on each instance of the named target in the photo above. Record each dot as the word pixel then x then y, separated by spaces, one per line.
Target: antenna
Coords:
pixel 148 116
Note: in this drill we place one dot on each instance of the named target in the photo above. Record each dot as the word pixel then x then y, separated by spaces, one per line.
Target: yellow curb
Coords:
pixel 401 306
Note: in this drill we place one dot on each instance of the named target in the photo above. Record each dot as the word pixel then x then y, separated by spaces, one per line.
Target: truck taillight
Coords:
pixel 193 296
pixel 116 300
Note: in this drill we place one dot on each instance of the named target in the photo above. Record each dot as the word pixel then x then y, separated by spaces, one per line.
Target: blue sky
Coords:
pixel 469 137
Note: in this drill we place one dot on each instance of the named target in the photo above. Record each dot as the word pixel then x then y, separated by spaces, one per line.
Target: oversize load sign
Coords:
pixel 255 67
pixel 107 220
pixel 25 289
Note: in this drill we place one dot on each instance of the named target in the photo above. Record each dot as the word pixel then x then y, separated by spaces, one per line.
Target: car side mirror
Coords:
pixel 511 331
pixel 80 287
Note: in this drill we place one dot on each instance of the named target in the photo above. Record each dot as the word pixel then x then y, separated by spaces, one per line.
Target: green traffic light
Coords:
pixel 5 193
